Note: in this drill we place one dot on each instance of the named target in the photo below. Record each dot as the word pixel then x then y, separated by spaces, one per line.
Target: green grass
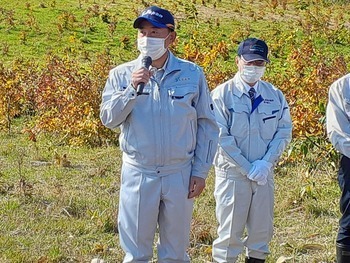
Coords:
pixel 52 213
pixel 82 28
pixel 55 212
pixel 34 28
pixel 67 213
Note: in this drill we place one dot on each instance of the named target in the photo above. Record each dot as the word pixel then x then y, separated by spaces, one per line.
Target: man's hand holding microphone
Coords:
pixel 141 76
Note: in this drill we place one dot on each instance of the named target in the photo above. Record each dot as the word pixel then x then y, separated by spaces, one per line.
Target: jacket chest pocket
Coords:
pixel 182 98
pixel 180 93
pixel 238 120
pixel 268 120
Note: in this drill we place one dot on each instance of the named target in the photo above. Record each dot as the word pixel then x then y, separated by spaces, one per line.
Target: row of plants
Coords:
pixel 59 93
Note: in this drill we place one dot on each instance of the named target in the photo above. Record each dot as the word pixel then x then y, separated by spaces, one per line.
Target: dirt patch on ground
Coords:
pixel 249 10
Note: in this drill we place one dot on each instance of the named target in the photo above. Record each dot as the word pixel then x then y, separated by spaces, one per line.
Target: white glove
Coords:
pixel 263 165
pixel 254 173
pixel 258 176
pixel 262 181
pixel 260 171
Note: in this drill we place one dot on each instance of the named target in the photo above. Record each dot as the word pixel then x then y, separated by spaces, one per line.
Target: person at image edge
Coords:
pixel 338 130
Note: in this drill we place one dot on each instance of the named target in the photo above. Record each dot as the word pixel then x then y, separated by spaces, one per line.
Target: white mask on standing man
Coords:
pixel 152 46
pixel 252 74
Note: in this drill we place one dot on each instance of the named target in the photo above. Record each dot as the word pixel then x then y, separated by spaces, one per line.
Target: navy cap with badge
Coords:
pixel 157 16
pixel 253 49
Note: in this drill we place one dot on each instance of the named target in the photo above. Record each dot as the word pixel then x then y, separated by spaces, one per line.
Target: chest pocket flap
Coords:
pixel 239 108
pixel 181 92
pixel 268 109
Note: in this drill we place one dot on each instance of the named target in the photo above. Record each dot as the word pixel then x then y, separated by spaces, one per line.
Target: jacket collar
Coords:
pixel 239 89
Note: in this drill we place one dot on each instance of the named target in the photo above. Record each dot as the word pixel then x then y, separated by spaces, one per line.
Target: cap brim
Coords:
pixel 154 23
pixel 254 57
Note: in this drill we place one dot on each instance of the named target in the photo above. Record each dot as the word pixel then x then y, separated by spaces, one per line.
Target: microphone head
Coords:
pixel 146 61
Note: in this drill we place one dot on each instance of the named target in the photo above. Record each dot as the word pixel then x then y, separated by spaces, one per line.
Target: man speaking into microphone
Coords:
pixel 168 139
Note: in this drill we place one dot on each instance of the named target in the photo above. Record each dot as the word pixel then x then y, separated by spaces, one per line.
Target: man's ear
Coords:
pixel 170 39
pixel 237 60
pixel 172 36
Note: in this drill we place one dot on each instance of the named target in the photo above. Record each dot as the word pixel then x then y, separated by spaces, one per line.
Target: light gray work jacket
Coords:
pixel 249 133
pixel 338 115
pixel 171 127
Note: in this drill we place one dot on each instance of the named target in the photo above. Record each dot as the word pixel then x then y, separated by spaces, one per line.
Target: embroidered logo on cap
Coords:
pixel 257 48
pixel 152 13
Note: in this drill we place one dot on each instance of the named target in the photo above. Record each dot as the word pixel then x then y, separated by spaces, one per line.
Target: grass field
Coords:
pixel 58 202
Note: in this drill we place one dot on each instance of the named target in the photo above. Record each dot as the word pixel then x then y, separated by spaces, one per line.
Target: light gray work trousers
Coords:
pixel 242 204
pixel 151 199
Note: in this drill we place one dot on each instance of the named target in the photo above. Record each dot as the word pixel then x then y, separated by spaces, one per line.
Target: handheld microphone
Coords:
pixel 146 62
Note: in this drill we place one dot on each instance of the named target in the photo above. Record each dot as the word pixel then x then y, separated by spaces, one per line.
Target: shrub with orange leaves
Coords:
pixel 305 84
pixel 68 98
pixel 17 91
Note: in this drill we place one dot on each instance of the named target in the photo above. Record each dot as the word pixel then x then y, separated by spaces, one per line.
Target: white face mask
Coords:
pixel 252 74
pixel 152 46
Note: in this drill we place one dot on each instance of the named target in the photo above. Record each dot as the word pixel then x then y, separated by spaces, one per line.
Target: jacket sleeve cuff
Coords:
pixel 130 92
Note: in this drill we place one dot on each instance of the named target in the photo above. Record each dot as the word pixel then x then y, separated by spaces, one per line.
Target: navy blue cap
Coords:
pixel 158 17
pixel 253 49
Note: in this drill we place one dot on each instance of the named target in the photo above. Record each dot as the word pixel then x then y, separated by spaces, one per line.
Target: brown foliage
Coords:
pixel 63 96
pixel 17 91
pixel 68 99
pixel 305 84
